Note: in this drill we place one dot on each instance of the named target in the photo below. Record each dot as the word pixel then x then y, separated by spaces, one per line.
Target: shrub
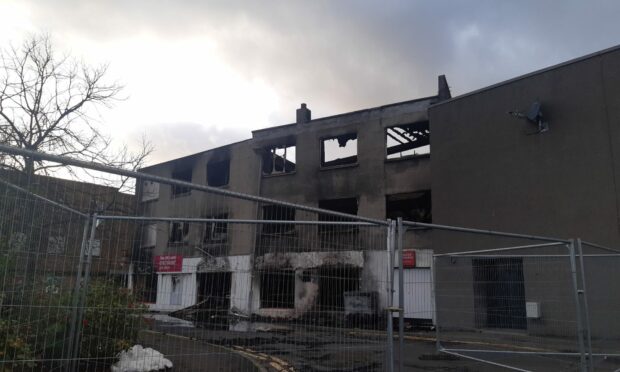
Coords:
pixel 112 320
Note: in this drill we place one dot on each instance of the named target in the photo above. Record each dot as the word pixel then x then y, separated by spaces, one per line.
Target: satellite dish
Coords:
pixel 534 115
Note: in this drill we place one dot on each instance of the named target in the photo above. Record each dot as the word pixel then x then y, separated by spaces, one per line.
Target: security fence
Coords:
pixel 204 278
pixel 209 279
pixel 521 302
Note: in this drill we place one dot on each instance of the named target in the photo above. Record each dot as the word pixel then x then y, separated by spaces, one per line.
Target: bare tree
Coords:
pixel 45 103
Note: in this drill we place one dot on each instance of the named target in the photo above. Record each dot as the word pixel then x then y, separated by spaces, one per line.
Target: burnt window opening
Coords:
pixel 179 232
pixel 333 283
pixel 218 172
pixel 407 140
pixel 278 213
pixel 415 206
pixel 345 205
pixel 277 289
pixel 181 174
pixel 279 159
pixel 339 150
pixel 216 232
pixel 213 294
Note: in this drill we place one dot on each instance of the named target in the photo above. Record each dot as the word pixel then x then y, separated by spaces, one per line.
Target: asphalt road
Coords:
pixel 288 347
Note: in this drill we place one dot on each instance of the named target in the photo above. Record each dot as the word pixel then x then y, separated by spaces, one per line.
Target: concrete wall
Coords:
pixel 489 173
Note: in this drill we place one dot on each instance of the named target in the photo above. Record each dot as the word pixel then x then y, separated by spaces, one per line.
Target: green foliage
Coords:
pixel 16 348
pixel 112 320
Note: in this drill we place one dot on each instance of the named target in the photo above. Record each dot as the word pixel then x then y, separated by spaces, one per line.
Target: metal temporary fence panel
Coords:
pixel 208 277
pixel 516 308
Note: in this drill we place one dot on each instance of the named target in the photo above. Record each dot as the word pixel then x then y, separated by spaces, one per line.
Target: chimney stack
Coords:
pixel 443 90
pixel 303 114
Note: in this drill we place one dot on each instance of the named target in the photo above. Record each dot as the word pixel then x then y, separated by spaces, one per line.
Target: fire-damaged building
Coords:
pixel 373 163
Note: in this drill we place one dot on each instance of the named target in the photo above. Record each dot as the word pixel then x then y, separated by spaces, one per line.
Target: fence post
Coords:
pixel 75 298
pixel 401 294
pixel 82 298
pixel 577 295
pixel 584 298
pixel 390 299
pixel 434 295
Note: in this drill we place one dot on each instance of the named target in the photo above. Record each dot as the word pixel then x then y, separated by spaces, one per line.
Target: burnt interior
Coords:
pixel 179 232
pixel 333 283
pixel 277 289
pixel 279 159
pixel 181 172
pixel 218 172
pixel 216 232
pixel 415 206
pixel 407 140
pixel 214 290
pixel 343 205
pixel 278 213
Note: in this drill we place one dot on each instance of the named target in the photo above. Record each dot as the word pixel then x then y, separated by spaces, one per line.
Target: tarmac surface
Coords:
pixel 294 347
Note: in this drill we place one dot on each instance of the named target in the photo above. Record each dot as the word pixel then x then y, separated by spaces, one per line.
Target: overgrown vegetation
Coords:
pixel 35 325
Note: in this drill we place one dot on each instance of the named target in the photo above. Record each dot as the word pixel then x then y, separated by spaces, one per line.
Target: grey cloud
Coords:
pixel 345 55
pixel 173 140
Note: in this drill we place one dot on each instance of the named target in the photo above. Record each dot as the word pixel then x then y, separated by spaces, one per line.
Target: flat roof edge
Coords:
pixel 348 113
pixel 529 74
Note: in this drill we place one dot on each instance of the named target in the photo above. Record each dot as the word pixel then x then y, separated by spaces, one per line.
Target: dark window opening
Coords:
pixel 499 293
pixel 414 206
pixel 218 172
pixel 333 283
pixel 339 150
pixel 145 278
pixel 183 174
pixel 179 232
pixel 279 159
pixel 214 295
pixel 407 140
pixel 278 213
pixel 345 205
pixel 216 232
pixel 277 289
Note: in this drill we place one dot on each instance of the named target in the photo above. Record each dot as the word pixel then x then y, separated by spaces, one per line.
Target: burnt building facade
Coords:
pixel 373 163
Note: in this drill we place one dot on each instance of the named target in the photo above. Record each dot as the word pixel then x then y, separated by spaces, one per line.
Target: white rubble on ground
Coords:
pixel 140 359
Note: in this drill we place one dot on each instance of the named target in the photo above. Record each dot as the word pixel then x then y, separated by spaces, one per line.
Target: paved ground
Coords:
pixel 191 355
pixel 304 348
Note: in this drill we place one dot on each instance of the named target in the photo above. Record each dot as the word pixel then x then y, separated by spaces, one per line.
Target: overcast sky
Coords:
pixel 200 74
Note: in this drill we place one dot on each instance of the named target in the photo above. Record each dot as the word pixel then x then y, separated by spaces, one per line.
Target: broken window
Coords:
pixel 279 159
pixel 181 174
pixel 278 213
pixel 415 206
pixel 277 289
pixel 339 150
pixel 179 232
pixel 216 232
pixel 345 205
pixel 407 140
pixel 218 172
